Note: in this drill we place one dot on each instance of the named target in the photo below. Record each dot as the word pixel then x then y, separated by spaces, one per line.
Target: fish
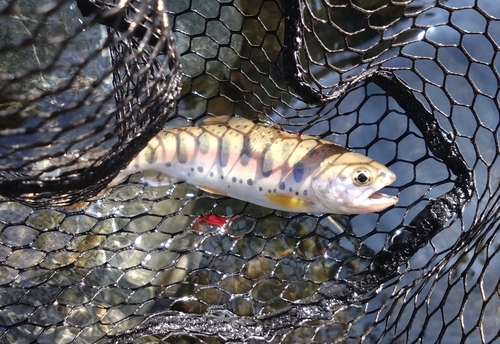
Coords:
pixel 266 166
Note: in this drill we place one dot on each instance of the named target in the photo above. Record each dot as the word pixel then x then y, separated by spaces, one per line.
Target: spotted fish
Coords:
pixel 266 166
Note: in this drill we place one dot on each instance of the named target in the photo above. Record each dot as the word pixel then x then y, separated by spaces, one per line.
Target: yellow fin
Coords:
pixel 289 202
pixel 216 120
pixel 211 190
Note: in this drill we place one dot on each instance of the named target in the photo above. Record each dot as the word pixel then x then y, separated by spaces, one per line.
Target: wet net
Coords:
pixel 85 85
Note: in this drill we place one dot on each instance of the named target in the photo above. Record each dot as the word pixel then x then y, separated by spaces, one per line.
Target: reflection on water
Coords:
pixel 54 85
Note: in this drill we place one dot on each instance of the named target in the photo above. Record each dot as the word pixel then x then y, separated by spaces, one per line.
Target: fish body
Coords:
pixel 266 166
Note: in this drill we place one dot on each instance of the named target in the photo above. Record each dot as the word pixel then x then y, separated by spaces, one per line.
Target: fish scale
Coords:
pixel 266 166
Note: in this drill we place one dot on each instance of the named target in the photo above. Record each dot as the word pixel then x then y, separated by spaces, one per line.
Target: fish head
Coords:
pixel 349 184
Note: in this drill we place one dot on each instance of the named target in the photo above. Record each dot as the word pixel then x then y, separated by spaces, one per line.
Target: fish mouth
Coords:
pixel 381 196
pixel 371 202
pixel 378 201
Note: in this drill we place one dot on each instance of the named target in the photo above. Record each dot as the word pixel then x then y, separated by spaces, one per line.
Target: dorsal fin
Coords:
pixel 267 121
pixel 232 122
pixel 216 120
pixel 237 120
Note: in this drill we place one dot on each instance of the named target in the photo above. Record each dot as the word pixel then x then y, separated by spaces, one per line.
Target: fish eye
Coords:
pixel 361 177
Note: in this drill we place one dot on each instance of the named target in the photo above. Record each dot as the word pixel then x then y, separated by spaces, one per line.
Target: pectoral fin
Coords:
pixel 290 203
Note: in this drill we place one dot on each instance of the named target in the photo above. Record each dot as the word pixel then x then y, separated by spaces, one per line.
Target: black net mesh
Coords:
pixel 85 85
pixel 80 99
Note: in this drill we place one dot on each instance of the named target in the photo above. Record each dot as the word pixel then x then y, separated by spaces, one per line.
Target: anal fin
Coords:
pixel 211 190
pixel 154 178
